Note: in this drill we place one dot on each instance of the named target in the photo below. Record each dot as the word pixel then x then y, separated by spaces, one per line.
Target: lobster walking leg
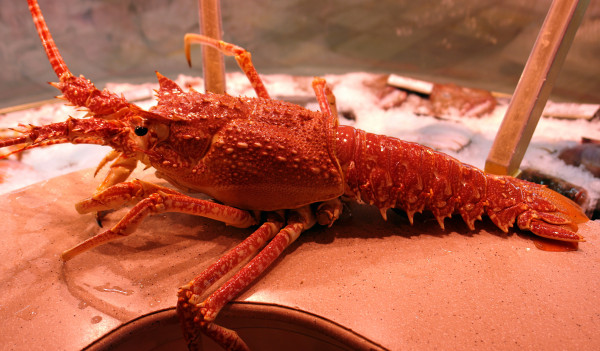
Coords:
pixel 329 211
pixel 154 199
pixel 193 292
pixel 197 315
pixel 242 57
pixel 325 98
pixel 120 169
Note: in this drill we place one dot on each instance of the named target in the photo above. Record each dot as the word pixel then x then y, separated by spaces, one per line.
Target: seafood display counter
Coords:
pixel 397 286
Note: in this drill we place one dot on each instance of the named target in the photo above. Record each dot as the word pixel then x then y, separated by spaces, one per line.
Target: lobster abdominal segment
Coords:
pixel 392 173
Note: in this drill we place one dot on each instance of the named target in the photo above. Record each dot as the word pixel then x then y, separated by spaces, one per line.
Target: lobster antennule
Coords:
pixel 56 60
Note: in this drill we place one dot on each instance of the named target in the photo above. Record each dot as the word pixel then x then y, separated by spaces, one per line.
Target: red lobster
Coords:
pixel 258 154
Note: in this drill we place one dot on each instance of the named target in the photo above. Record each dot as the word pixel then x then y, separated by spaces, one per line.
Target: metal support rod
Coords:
pixel 213 64
pixel 536 82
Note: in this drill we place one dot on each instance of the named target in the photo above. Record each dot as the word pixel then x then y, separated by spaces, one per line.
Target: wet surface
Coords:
pixel 398 285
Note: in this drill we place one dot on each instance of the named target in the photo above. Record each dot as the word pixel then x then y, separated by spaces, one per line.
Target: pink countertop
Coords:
pixel 401 286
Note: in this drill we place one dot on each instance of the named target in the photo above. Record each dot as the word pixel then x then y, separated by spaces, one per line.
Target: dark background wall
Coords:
pixel 472 42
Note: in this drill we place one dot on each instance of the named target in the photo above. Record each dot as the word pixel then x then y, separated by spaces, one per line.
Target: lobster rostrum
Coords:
pixel 260 155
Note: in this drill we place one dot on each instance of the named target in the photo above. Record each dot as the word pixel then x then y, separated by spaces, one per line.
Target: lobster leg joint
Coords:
pixel 197 317
pixel 155 199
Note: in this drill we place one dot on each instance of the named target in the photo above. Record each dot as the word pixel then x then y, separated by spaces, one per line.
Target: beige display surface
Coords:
pixel 397 285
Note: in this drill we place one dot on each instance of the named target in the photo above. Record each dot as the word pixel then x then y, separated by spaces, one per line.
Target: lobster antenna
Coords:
pixel 57 62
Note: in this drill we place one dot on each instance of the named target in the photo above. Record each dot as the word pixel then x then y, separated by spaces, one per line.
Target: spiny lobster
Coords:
pixel 260 155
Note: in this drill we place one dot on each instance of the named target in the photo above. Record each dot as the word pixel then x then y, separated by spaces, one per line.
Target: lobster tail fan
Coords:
pixel 566 207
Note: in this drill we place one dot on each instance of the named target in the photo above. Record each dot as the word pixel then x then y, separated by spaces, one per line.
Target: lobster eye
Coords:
pixel 140 131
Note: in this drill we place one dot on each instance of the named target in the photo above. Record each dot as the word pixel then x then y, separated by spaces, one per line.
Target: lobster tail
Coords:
pixel 392 173
pixel 549 214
